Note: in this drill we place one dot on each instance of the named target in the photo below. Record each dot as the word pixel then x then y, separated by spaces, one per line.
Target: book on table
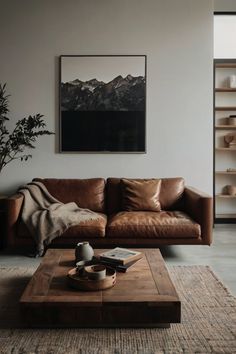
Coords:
pixel 121 256
pixel 123 268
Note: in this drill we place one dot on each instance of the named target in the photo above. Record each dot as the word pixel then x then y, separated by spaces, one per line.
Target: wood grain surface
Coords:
pixel 144 296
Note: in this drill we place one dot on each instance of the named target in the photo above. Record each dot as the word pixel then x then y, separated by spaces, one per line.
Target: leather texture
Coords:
pixel 140 194
pixel 113 195
pixel 200 207
pixel 87 229
pixel 163 224
pixel 86 193
pixel 193 226
pixel 171 194
pixel 13 209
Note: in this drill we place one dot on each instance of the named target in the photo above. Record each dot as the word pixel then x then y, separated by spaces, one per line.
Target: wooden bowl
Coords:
pixel 81 282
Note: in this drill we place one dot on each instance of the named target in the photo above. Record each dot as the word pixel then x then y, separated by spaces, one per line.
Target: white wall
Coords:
pixel 176 36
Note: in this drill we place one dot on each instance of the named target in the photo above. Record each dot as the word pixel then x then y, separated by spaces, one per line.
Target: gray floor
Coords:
pixel 220 256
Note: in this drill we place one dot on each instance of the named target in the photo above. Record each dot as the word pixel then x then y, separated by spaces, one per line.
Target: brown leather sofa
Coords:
pixel 185 216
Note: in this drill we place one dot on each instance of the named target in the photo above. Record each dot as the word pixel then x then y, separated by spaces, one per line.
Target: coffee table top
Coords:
pixel 148 281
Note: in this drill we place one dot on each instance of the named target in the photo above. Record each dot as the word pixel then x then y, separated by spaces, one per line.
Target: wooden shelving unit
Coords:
pixel 227 196
pixel 225 149
pixel 225 126
pixel 226 216
pixel 225 89
pixel 224 65
pixel 224 101
pixel 225 172
pixel 226 108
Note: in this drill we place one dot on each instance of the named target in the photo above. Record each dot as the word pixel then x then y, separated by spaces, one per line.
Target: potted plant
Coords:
pixel 24 135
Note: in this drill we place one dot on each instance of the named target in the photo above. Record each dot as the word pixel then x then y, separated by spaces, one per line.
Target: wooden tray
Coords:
pixel 83 283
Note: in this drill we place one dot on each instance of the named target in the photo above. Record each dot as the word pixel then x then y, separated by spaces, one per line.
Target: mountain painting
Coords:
pixel 102 104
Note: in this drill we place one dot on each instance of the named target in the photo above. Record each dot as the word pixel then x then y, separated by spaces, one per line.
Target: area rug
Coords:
pixel 208 322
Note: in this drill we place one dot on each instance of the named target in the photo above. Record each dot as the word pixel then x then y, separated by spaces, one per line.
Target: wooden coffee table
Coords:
pixel 144 296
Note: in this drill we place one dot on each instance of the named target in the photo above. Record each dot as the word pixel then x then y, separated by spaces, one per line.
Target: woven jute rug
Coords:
pixel 208 322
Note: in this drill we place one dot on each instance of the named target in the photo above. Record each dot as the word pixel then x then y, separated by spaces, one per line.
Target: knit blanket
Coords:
pixel 46 217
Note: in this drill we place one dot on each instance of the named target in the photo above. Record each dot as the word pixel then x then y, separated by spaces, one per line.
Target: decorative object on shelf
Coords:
pixel 24 135
pixel 103 103
pixel 230 140
pixel 232 81
pixel 83 251
pixel 82 282
pixel 232 119
pixel 231 190
pixel 231 170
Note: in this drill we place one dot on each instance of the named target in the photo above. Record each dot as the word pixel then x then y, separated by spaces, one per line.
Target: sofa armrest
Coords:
pixel 13 208
pixel 199 206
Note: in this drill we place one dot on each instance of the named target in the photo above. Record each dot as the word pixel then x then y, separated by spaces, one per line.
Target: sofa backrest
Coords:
pixel 86 193
pixel 170 195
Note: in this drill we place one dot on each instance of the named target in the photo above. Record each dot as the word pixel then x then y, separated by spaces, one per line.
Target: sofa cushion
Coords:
pixel 171 193
pixel 141 224
pixel 86 193
pixel 140 194
pixel 86 229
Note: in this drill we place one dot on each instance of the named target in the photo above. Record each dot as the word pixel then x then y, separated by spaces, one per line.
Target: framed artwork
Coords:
pixel 103 103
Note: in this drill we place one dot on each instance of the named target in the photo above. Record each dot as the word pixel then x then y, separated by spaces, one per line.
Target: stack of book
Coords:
pixel 121 259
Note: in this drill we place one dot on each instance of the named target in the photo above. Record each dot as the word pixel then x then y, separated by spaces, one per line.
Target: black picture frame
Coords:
pixel 102 103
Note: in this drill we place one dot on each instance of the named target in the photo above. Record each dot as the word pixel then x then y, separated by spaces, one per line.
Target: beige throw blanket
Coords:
pixel 46 217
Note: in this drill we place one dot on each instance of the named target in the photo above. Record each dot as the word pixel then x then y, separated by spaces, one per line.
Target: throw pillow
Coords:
pixel 141 194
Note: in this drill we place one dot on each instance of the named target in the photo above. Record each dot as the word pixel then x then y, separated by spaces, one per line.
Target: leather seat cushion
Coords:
pixel 86 229
pixel 163 224
pixel 86 193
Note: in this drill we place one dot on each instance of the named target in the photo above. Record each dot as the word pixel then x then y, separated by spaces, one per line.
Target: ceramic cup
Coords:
pixel 80 267
pixel 95 272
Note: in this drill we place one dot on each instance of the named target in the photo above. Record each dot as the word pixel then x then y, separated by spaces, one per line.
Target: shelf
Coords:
pixel 225 108
pixel 225 89
pixel 227 196
pixel 225 173
pixel 225 126
pixel 225 149
pixel 225 65
pixel 226 216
